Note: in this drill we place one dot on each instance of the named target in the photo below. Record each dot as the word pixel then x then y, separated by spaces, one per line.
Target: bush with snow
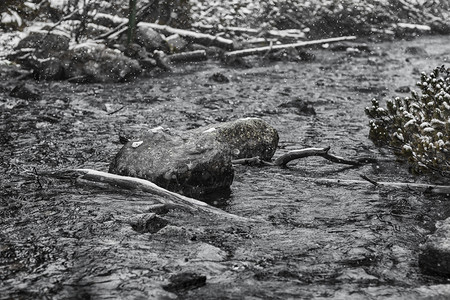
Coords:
pixel 417 127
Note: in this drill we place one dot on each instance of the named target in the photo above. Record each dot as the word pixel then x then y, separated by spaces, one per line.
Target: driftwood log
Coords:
pixel 196 37
pixel 197 55
pixel 269 49
pixel 166 197
pixel 418 187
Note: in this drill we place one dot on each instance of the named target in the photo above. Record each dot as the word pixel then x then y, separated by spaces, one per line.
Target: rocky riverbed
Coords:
pixel 69 240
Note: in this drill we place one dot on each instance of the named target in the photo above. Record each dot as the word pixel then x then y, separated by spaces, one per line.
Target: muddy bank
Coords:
pixel 66 240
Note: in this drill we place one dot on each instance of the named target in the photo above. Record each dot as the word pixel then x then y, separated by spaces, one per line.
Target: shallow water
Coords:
pixel 310 240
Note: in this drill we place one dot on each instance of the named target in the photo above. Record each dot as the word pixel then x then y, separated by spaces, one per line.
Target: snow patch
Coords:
pixel 58 4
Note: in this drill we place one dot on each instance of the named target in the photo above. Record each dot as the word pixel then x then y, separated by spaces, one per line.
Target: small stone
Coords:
pixel 148 38
pixel 26 92
pixel 147 222
pixel 219 78
pixel 184 282
pixel 358 275
pixel 176 43
pixel 206 252
pixel 403 89
pixel 416 51
pixel 302 107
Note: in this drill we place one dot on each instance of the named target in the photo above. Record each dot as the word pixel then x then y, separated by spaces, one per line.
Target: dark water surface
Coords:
pixel 310 240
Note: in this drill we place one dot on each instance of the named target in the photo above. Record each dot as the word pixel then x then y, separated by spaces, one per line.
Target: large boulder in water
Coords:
pixel 198 161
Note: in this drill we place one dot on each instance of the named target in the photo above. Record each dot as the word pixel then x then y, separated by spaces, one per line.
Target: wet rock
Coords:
pixel 177 233
pixel 358 275
pixel 415 50
pixel 150 39
pixel 184 282
pixel 45 44
pixel 162 60
pixel 135 51
pixel 176 43
pixel 440 27
pixel 349 47
pixel 189 163
pixel 435 252
pixel 237 62
pixel 148 222
pixel 148 63
pixel 249 137
pixel 219 78
pixel 197 161
pixel 96 63
pixel 212 51
pixel 206 252
pixel 301 107
pixel 49 69
pixel 291 54
pixel 403 89
pixel 25 91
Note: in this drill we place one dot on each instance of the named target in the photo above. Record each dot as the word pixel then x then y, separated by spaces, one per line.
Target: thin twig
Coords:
pixel 117 110
pixel 369 180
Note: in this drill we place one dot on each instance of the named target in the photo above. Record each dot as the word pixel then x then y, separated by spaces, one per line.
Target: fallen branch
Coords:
pixel 419 187
pixel 323 152
pixel 296 154
pixel 253 51
pixel 167 197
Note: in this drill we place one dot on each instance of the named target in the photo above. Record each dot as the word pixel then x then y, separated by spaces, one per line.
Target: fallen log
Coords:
pixel 166 197
pixel 286 33
pixel 419 187
pixel 269 49
pixel 196 37
pixel 197 55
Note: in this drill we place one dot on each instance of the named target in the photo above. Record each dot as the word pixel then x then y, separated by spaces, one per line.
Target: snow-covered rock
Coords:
pixel 198 161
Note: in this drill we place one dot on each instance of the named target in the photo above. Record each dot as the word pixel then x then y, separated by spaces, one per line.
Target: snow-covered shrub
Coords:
pixel 417 127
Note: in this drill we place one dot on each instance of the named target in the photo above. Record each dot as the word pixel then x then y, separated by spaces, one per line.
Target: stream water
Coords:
pixel 310 240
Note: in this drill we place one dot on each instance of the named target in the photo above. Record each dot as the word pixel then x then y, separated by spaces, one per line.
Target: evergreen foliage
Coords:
pixel 417 127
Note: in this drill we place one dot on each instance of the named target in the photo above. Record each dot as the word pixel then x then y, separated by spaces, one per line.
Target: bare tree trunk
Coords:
pixel 131 21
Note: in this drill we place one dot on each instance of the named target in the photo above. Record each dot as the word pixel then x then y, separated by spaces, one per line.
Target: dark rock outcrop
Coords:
pixel 435 255
pixel 198 161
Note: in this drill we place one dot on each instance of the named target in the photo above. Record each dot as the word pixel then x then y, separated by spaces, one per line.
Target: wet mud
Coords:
pixel 64 240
